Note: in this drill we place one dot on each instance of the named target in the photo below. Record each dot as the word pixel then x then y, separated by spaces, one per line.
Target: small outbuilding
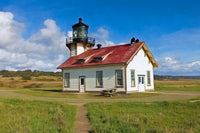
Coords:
pixel 128 67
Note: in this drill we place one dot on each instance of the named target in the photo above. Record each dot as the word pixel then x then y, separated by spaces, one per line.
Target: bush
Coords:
pixel 33 85
pixel 1 84
pixel 11 78
pixel 45 79
pixel 26 77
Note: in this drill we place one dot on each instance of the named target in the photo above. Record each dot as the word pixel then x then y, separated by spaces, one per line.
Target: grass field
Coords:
pixel 49 82
pixel 23 116
pixel 30 116
pixel 125 117
pixel 45 86
pixel 179 85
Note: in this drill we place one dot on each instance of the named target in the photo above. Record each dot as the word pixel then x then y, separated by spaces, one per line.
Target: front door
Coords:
pixel 141 83
pixel 82 83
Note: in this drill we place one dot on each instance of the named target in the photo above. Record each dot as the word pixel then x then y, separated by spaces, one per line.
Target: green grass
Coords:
pixel 49 86
pixel 130 117
pixel 44 92
pixel 120 96
pixel 179 85
pixel 59 94
pixel 25 116
pixel 35 82
pixel 124 117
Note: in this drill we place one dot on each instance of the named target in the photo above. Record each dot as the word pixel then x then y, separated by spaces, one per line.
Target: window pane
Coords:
pixel 148 78
pixel 99 78
pixel 119 77
pixel 132 78
pixel 142 80
pixel 66 79
pixel 82 81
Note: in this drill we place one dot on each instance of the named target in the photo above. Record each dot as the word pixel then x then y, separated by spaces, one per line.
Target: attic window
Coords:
pixel 80 61
pixel 96 59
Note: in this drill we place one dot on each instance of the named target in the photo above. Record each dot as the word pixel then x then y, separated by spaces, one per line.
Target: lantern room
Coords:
pixel 79 42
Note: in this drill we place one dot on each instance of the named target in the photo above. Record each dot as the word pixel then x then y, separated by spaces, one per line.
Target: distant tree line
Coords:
pixel 163 77
pixel 28 73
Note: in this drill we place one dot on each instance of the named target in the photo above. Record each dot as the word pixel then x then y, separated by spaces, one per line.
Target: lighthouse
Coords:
pixel 79 42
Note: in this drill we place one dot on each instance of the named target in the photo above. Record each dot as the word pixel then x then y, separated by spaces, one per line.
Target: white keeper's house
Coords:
pixel 127 67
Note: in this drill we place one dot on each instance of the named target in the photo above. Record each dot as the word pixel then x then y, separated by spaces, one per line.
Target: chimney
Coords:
pixel 137 40
pixel 132 41
pixel 98 46
pixel 80 20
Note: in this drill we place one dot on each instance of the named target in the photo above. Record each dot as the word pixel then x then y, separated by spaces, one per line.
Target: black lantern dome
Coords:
pixel 80 32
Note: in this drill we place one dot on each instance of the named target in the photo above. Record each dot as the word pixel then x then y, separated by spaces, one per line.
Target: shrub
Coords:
pixel 1 84
pixel 44 79
pixel 26 77
pixel 33 85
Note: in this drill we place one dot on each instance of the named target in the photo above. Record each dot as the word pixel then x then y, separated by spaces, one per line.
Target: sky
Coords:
pixel 33 32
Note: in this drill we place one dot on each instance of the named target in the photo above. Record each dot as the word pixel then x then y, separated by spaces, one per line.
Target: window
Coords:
pixel 148 78
pixel 66 77
pixel 80 61
pixel 132 78
pixel 99 79
pixel 141 79
pixel 96 59
pixel 118 78
pixel 82 81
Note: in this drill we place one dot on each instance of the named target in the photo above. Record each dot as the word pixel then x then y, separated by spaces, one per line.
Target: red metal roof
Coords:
pixel 116 54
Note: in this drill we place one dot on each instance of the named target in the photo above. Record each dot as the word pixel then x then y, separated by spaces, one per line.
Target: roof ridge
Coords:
pixel 118 45
pixel 113 54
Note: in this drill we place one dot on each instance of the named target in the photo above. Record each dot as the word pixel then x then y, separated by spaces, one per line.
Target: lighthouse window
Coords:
pixel 75 34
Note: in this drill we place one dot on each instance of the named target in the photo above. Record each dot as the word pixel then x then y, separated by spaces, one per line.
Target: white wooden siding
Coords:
pixel 80 49
pixel 90 74
pixel 141 65
pixel 73 50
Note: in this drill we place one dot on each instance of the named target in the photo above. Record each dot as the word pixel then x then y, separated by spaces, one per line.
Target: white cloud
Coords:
pixel 44 50
pixel 50 35
pixel 101 36
pixel 109 43
pixel 10 30
pixel 69 34
pixel 179 52
pixel 171 66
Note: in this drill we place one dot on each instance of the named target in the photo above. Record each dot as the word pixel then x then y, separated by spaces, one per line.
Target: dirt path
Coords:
pixel 82 124
pixel 164 96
